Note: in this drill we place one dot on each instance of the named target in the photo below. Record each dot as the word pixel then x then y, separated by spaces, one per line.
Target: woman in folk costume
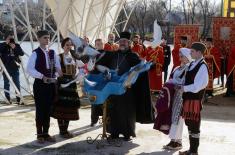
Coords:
pixel 67 103
pixel 196 81
pixel 178 77
pixel 170 122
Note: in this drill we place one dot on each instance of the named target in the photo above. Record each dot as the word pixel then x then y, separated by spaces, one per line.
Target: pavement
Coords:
pixel 17 134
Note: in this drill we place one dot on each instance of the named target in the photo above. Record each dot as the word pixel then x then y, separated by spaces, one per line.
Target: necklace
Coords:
pixel 119 63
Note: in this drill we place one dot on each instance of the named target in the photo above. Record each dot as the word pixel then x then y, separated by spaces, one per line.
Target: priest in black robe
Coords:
pixel 135 104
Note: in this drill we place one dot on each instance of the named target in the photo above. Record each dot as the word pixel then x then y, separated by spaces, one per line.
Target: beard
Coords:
pixel 135 42
pixel 124 49
pixel 111 41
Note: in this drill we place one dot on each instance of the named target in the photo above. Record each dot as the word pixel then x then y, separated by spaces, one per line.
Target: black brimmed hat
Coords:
pixel 125 35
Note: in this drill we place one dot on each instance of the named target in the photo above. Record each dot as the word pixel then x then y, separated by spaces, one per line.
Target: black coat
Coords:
pixel 167 56
pixel 9 56
pixel 133 106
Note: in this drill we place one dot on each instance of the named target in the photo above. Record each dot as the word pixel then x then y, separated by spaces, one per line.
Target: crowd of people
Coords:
pixel 180 97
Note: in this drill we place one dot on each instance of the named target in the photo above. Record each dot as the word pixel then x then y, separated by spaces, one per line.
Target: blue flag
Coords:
pixel 116 85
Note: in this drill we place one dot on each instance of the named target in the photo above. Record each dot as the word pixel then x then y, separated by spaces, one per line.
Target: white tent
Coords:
pixel 91 18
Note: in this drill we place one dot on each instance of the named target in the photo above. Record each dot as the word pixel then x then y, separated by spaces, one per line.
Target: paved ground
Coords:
pixel 17 133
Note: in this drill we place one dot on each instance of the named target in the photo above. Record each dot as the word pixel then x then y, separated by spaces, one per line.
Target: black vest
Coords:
pixel 189 79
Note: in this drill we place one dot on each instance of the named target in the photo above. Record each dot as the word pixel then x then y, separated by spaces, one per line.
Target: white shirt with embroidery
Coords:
pixel 31 70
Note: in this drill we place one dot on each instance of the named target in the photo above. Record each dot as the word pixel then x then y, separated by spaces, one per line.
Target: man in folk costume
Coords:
pixel 196 81
pixel 135 104
pixel 138 47
pixel 43 65
pixel 175 51
pixel 167 57
pixel 155 55
pixel 212 58
pixel 111 46
pixel 231 74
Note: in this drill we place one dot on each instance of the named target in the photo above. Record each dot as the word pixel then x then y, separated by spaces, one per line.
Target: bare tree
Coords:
pixel 207 10
pixel 192 9
pixel 185 12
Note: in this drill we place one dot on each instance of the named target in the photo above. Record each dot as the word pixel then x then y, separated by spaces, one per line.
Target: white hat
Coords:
pixel 187 53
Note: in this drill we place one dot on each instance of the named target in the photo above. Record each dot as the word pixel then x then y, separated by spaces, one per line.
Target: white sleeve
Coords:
pixel 79 64
pixel 200 81
pixel 57 63
pixel 31 67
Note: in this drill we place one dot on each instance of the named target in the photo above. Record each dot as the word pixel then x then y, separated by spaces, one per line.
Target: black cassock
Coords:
pixel 133 106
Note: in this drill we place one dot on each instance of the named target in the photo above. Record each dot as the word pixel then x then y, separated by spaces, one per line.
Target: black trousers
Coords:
pixel 229 84
pixel 63 126
pixel 44 96
pixel 194 134
pixel 165 72
pixel 96 111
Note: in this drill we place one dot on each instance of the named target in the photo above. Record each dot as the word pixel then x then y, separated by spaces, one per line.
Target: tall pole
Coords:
pixel 222 8
pixel 170 7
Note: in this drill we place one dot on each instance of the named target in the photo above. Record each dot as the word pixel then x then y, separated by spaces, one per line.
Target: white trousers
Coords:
pixel 176 131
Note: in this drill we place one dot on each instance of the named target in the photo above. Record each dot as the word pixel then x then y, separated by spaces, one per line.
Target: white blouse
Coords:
pixel 178 71
pixel 69 60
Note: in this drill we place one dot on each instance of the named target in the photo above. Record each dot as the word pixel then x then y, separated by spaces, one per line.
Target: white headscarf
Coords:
pixel 187 53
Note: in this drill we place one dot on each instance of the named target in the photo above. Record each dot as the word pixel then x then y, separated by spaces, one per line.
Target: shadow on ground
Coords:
pixel 7 108
pixel 163 152
pixel 35 148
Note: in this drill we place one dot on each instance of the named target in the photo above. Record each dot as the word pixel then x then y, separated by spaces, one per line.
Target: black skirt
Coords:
pixel 67 100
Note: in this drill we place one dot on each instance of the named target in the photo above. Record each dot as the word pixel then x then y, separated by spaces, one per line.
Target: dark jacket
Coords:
pixel 10 57
pixel 167 55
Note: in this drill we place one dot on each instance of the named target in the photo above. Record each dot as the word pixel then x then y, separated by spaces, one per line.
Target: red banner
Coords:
pixel 224 33
pixel 191 31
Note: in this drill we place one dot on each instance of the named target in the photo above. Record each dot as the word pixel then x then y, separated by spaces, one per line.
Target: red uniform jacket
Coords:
pixel 155 74
pixel 212 58
pixel 111 47
pixel 215 55
pixel 231 61
pixel 139 49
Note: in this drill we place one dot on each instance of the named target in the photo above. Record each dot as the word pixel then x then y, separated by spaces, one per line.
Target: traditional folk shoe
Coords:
pixel 49 138
pixel 40 140
pixel 173 146
pixel 67 135
pixel 187 153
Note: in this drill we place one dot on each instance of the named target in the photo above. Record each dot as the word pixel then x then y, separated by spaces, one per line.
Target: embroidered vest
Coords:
pixel 69 69
pixel 40 64
pixel 189 79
